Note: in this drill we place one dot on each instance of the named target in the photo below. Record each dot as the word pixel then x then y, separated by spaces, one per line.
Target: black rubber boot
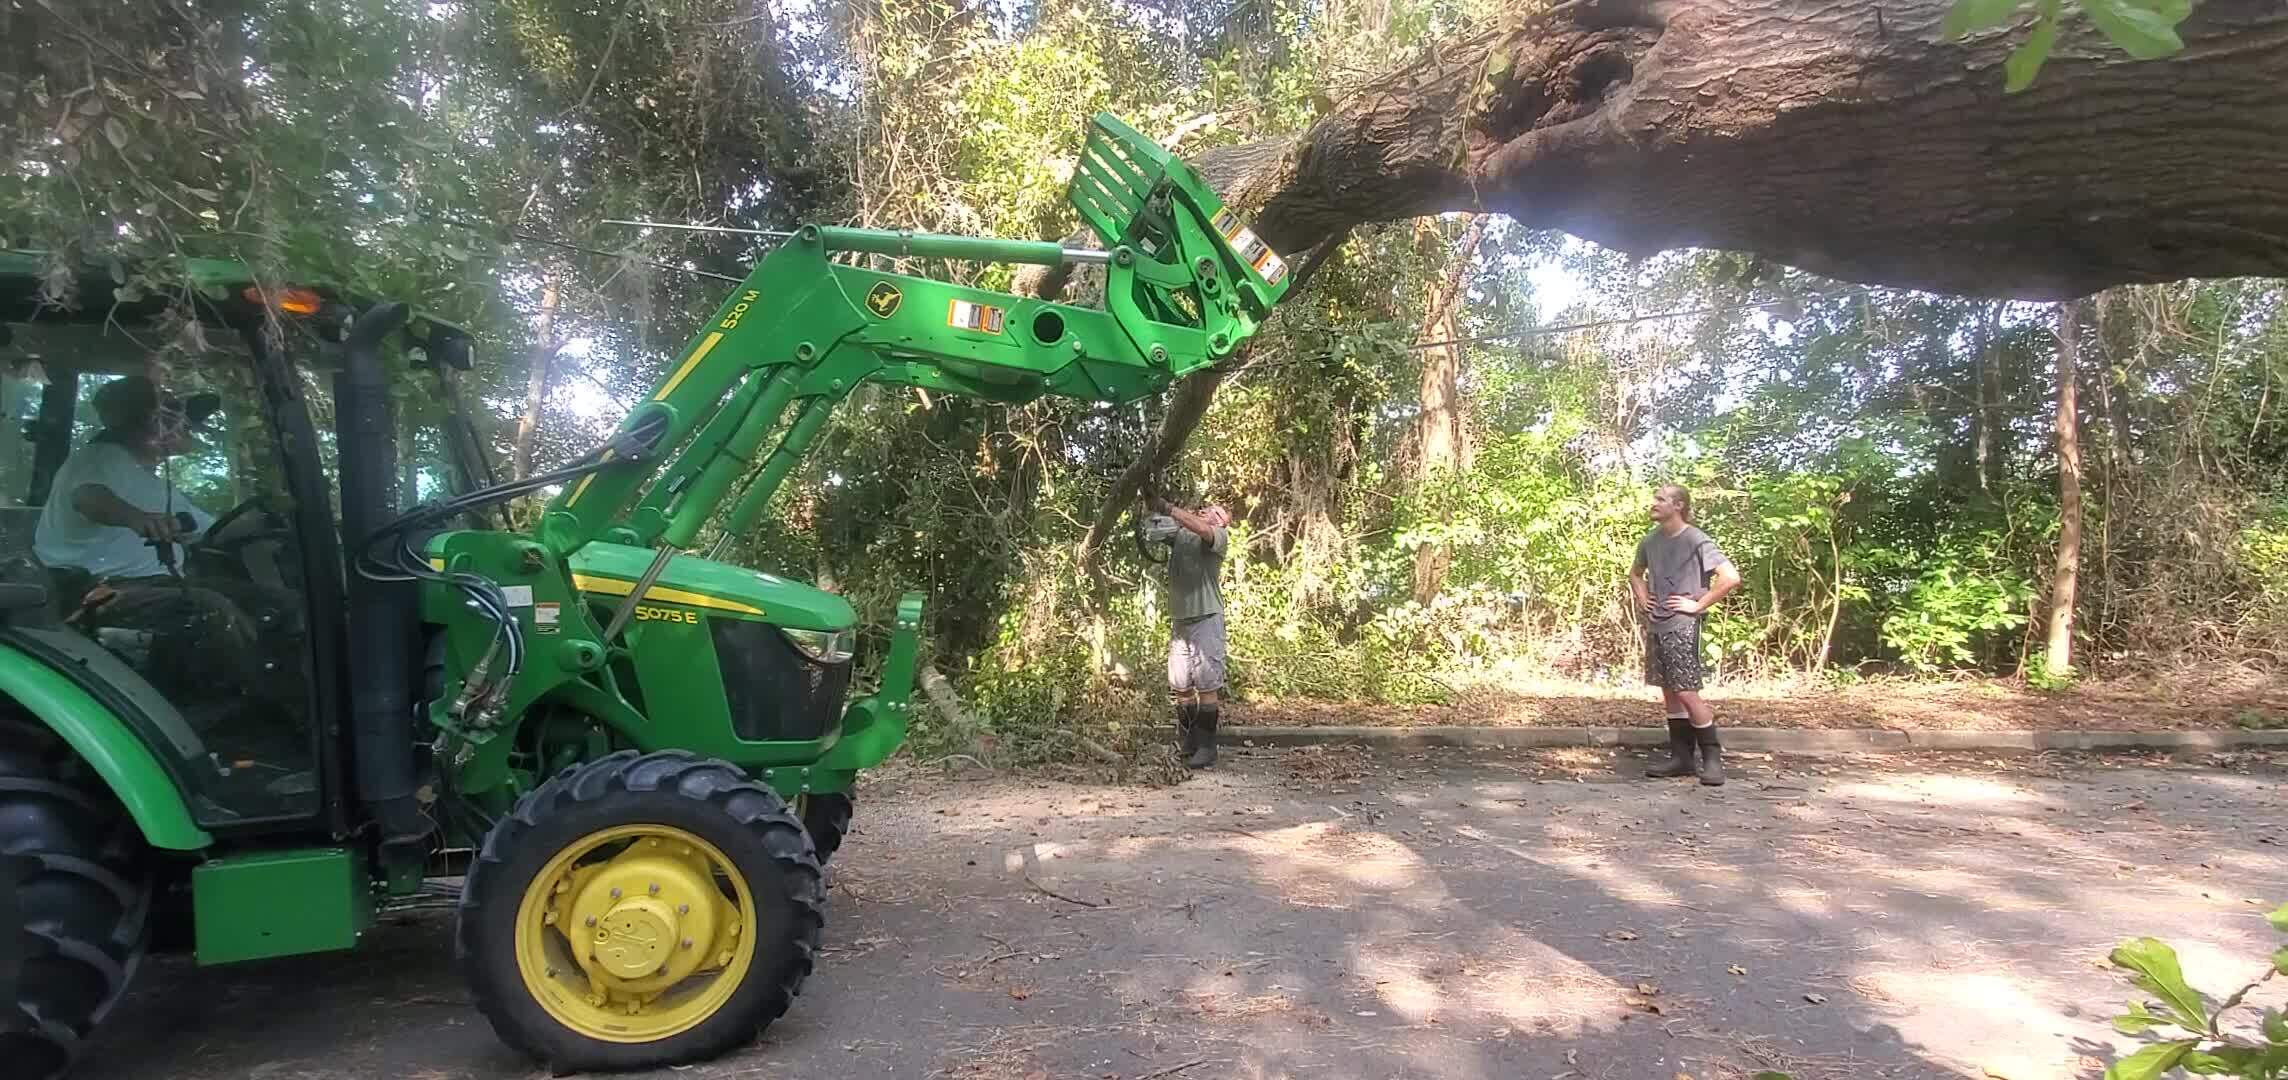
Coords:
pixel 1679 760
pixel 1187 728
pixel 1711 755
pixel 1203 751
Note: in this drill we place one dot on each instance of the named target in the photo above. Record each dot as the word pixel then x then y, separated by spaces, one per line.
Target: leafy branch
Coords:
pixel 2190 1029
pixel 2145 29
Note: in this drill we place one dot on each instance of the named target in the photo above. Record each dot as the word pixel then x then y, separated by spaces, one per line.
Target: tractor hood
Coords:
pixel 605 570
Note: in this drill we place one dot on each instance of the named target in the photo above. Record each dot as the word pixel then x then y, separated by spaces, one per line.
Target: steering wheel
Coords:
pixel 214 545
pixel 231 516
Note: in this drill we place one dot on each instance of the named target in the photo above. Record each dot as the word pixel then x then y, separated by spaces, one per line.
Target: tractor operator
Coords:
pixel 109 510
pixel 1197 544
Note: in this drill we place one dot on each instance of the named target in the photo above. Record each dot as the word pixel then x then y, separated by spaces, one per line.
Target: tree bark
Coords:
pixel 1439 433
pixel 2059 660
pixel 536 378
pixel 1849 140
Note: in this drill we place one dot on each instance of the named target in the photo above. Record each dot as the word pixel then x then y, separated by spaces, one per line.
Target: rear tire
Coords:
pixel 684 801
pixel 827 819
pixel 75 897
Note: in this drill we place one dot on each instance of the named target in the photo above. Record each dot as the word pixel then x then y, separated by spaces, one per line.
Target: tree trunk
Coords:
pixel 1439 433
pixel 1983 420
pixel 1849 140
pixel 2064 580
pixel 536 377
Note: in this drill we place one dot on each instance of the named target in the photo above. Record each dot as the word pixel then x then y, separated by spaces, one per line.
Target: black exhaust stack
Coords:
pixel 383 616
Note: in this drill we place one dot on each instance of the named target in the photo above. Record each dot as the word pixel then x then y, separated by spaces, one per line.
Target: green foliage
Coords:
pixel 1960 593
pixel 2260 720
pixel 2186 1029
pixel 2040 676
pixel 2145 29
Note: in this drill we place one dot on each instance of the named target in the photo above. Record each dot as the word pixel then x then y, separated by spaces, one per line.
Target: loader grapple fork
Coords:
pixel 1124 186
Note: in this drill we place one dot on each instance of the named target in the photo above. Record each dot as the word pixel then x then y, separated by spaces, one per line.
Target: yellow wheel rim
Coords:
pixel 635 933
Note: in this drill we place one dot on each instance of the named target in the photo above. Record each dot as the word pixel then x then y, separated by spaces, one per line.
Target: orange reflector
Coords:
pixel 295 301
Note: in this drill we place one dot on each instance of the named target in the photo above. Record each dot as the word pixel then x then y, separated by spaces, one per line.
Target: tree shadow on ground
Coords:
pixel 1459 916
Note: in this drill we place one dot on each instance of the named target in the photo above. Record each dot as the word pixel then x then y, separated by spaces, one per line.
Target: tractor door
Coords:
pixel 214 647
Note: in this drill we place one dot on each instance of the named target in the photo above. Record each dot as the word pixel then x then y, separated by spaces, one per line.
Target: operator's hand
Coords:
pixel 161 528
pixel 1645 604
pixel 1686 605
pixel 1158 504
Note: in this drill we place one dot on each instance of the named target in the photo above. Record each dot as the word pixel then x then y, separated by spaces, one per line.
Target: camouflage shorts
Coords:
pixel 1672 659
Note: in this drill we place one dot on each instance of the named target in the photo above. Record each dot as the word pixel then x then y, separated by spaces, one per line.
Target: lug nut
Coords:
pixel 655 888
pixel 686 943
pixel 615 892
pixel 591 920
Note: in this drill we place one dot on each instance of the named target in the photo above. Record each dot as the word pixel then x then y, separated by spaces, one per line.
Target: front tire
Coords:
pixel 639 911
pixel 827 819
pixel 75 897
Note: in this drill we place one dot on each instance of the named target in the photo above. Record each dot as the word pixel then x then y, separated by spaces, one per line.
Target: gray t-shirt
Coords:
pixel 1195 568
pixel 1679 565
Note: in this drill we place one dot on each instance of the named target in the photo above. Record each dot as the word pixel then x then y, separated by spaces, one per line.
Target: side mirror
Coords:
pixel 451 350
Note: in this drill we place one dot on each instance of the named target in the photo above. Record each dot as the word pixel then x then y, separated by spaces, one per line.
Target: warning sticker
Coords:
pixel 544 617
pixel 1254 251
pixel 983 318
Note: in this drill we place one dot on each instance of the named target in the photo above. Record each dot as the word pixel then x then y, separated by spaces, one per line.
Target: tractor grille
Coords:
pixel 774 691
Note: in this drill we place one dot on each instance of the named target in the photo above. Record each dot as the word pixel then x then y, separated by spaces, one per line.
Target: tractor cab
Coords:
pixel 208 406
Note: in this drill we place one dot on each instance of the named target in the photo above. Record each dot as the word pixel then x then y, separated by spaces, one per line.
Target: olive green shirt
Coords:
pixel 1195 568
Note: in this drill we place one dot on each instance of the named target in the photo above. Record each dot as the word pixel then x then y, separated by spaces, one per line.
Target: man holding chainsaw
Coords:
pixel 1197 544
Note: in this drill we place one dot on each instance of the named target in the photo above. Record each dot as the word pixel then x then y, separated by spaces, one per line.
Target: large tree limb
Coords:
pixel 1185 409
pixel 1848 139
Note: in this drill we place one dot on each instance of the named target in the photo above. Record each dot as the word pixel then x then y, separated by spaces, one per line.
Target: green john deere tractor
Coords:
pixel 246 739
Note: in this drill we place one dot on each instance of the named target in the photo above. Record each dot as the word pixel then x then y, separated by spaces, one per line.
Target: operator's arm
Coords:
pixel 1727 579
pixel 1199 526
pixel 101 505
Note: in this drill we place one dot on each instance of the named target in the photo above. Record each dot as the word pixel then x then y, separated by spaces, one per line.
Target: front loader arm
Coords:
pixel 1185 283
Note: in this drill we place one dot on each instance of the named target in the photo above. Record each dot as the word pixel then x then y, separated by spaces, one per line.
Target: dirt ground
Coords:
pixel 2222 698
pixel 1337 912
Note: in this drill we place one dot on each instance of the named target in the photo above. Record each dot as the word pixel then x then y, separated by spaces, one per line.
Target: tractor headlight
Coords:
pixel 824 646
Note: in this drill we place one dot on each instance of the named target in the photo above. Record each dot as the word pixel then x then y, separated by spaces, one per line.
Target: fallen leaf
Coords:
pixel 1816 999
pixel 1623 935
pixel 1020 993
pixel 1738 970
pixel 1647 989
